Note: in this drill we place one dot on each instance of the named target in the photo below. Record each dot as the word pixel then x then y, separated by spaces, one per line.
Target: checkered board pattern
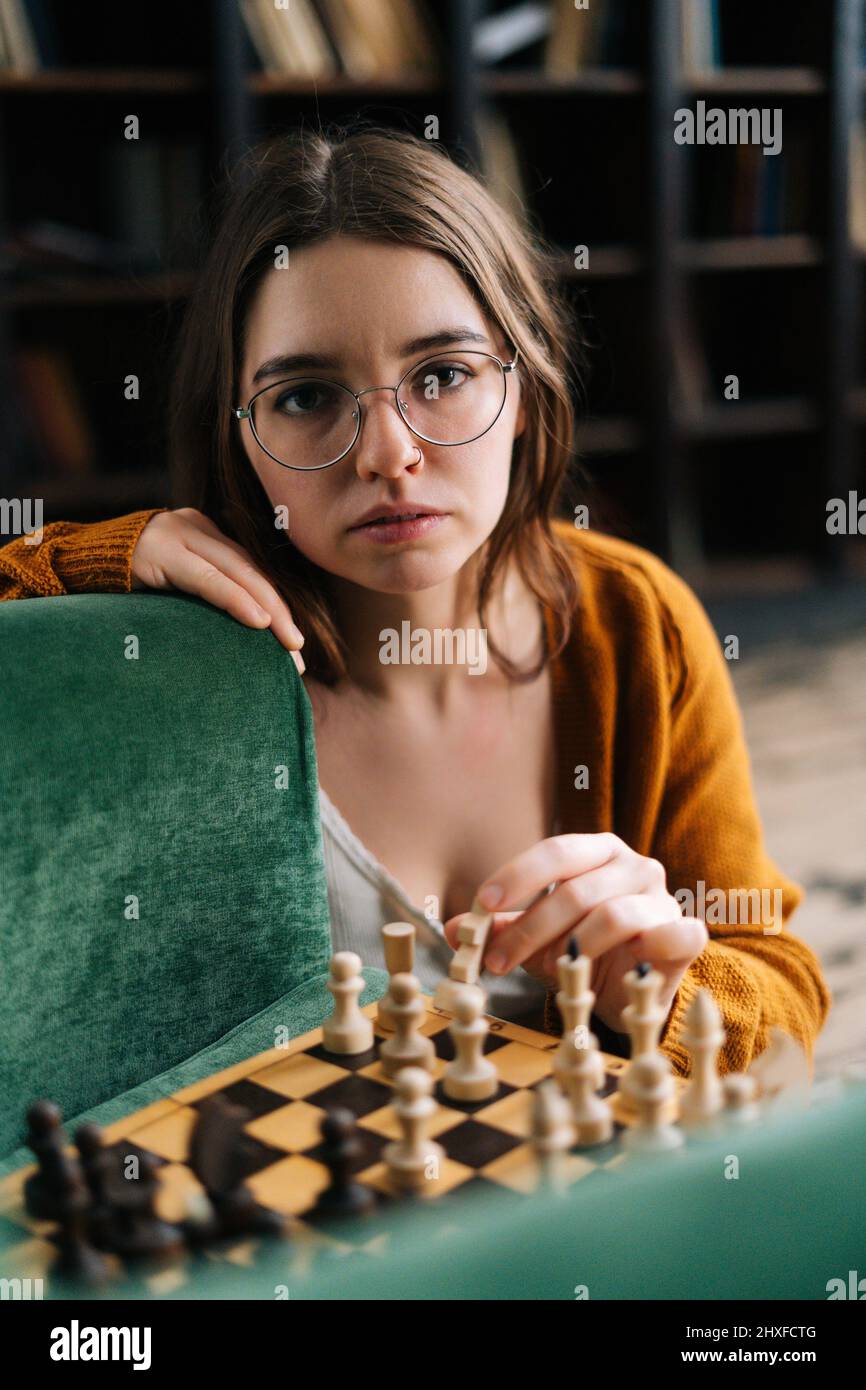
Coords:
pixel 287 1090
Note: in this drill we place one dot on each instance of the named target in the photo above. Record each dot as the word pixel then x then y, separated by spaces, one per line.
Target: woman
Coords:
pixel 372 336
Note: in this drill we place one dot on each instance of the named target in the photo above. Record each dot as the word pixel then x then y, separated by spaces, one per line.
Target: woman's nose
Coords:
pixel 386 444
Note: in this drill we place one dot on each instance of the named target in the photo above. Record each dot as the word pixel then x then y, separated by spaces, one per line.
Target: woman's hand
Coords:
pixel 184 550
pixel 615 900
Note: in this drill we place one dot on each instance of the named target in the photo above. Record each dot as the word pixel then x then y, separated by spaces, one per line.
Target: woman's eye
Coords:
pixel 299 401
pixel 445 375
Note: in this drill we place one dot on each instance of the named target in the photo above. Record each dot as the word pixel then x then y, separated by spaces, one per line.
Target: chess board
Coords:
pixel 287 1091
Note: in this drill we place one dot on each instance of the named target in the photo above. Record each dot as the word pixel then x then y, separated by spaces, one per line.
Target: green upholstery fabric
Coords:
pixel 152 780
pixel 296 1013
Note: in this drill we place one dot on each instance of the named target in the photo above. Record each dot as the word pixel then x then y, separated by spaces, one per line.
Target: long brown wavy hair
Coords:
pixel 387 186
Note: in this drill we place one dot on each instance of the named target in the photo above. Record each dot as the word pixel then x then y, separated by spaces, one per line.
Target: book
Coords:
pixel 700 28
pixel 20 44
pixel 498 36
pixel 857 187
pixel 573 40
pixel 500 163
pixel 55 415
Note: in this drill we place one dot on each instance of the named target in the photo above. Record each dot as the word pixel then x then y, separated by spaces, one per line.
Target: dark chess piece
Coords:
pixel 96 1163
pixel 217 1157
pixel 45 1190
pixel 342 1197
pixel 134 1230
pixel 78 1259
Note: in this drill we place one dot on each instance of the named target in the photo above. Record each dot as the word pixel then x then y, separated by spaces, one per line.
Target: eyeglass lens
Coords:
pixel 307 422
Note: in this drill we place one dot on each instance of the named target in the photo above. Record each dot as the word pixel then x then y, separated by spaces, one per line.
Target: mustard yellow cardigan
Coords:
pixel 642 697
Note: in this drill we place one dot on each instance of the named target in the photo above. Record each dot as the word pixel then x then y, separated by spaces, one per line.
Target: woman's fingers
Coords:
pixel 652 927
pixel 239 568
pixel 558 857
pixel 568 906
pixel 185 550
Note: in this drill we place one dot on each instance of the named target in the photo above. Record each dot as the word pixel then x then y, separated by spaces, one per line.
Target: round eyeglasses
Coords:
pixel 307 422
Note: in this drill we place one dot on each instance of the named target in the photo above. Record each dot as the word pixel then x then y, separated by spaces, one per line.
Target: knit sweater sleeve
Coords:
pixel 710 839
pixel 73 557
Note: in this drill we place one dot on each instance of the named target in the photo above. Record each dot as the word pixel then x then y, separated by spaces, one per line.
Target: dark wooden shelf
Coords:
pixel 751 252
pixel 748 419
pixel 790 81
pixel 857 404
pixel 72 290
pixel 92 81
pixel 605 263
pixel 613 434
pixel 537 82
pixel 265 84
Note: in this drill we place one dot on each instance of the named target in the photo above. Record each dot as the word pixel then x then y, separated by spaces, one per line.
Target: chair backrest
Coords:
pixel 161 867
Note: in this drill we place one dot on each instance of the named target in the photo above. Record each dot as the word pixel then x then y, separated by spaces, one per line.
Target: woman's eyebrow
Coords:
pixel 286 363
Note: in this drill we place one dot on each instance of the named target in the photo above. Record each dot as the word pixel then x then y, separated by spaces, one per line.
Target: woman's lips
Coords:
pixel 392 531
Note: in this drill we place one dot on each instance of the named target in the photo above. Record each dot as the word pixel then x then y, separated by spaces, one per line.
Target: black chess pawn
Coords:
pixel 218 1158
pixel 78 1259
pixel 134 1229
pixel 342 1198
pixel 45 1190
pixel 95 1164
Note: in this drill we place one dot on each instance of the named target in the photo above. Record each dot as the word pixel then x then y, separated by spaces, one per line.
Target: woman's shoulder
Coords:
pixel 623 586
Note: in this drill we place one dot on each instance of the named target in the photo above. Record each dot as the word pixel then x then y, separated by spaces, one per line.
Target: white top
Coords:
pixel 363 896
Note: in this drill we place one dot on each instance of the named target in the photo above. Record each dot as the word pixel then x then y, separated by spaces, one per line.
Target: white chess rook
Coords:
pixel 348 1031
pixel 398 941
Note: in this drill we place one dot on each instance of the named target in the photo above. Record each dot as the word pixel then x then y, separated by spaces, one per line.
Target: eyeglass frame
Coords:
pixel 246 412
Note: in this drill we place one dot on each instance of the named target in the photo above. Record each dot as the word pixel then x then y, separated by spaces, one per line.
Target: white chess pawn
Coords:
pixel 739 1090
pixel 652 1090
pixel 703 1035
pixel 552 1132
pixel 408 1047
pixel 415 1158
pixel 398 940
pixel 470 1076
pixel 591 1116
pixel 347 1031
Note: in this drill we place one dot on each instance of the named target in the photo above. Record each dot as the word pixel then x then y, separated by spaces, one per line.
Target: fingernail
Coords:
pixel 299 662
pixel 490 895
pixel 495 961
pixel 298 635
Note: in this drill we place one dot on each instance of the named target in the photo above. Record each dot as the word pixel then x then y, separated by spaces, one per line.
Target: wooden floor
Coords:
pixel 801 682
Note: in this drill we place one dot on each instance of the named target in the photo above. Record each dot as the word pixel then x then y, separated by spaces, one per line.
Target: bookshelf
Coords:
pixel 672 293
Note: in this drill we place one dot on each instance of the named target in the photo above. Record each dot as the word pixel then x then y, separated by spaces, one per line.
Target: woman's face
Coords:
pixel 362 305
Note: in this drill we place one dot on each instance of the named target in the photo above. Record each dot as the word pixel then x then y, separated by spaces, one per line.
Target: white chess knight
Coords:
pixel 470 1076
pixel 347 1032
